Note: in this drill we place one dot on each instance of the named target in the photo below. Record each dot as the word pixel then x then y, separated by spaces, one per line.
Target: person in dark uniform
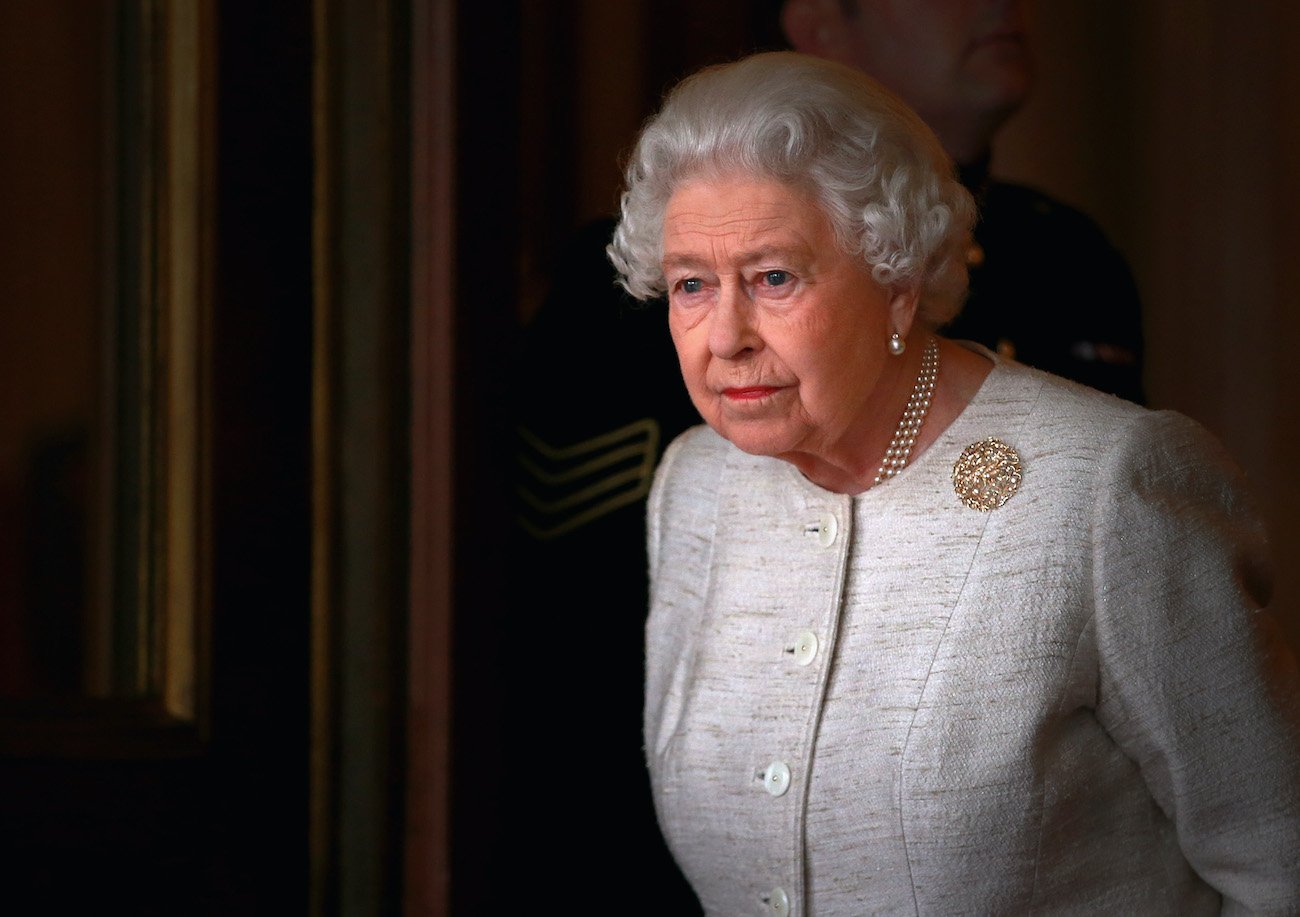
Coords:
pixel 1046 287
pixel 600 396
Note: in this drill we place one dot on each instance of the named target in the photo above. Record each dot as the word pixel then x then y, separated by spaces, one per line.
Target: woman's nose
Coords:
pixel 731 328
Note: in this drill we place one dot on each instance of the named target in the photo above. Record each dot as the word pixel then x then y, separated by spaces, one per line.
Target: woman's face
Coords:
pixel 782 338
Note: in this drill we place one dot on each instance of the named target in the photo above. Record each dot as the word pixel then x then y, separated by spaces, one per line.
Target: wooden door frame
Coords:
pixel 427 875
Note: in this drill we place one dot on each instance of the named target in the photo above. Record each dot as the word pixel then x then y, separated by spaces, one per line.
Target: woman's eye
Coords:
pixel 776 278
pixel 692 285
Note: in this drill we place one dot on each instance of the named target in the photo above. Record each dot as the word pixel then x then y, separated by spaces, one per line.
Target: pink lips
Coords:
pixel 750 393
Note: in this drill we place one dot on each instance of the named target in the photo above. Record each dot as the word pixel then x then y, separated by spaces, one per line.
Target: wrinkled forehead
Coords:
pixel 747 210
pixel 740 220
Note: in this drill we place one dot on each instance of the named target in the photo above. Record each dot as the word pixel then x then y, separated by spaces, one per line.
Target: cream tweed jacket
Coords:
pixel 892 703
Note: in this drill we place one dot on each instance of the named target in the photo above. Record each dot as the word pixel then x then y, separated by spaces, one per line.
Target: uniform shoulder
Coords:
pixel 1030 213
pixel 1013 197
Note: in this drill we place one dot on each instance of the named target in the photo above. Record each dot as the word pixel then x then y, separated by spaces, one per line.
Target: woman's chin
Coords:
pixel 755 438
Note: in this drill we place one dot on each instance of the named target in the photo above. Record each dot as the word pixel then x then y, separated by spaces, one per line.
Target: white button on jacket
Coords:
pixel 826 528
pixel 805 647
pixel 776 779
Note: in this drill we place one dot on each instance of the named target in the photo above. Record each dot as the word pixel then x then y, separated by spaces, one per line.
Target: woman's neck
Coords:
pixel 853 468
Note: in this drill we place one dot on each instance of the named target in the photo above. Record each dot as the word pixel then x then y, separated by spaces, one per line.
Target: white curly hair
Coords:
pixel 879 174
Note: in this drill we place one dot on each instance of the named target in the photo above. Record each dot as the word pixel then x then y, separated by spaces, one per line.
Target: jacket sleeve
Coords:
pixel 1196 682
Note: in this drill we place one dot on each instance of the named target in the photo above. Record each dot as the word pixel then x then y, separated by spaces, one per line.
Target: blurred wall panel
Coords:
pixel 1175 125
pixel 52 171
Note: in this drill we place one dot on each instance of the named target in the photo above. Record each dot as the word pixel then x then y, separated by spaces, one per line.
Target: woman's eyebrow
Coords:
pixel 778 253
pixel 771 253
pixel 682 259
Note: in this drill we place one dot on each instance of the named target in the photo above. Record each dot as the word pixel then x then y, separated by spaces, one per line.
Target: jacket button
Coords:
pixel 776 779
pixel 827 528
pixel 824 529
pixel 805 647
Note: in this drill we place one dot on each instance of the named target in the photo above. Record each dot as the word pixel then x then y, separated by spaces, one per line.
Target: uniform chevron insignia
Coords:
pixel 565 487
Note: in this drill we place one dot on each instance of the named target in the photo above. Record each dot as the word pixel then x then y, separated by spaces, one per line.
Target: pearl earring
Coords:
pixel 896 344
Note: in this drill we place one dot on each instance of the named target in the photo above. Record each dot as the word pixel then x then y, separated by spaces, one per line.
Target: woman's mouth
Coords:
pixel 750 392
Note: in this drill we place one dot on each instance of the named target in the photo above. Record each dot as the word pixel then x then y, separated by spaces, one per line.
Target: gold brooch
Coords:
pixel 987 475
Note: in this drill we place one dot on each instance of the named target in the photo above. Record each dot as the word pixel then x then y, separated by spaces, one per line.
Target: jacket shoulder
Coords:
pixel 686 480
pixel 685 487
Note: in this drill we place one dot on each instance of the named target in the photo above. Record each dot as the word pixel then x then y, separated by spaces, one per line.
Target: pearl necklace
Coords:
pixel 909 427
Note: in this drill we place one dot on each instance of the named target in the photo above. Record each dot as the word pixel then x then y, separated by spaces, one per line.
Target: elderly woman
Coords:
pixel 931 632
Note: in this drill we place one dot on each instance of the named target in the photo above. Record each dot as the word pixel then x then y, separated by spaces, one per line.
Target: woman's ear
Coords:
pixel 815 27
pixel 902 310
